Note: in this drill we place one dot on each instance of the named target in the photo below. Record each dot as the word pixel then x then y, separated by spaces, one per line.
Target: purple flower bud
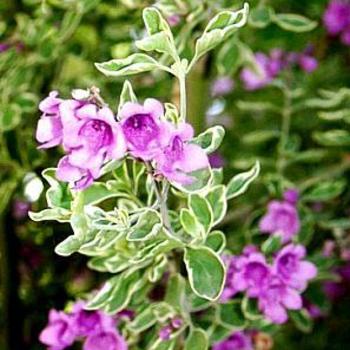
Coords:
pixel 308 63
pixel 165 333
pixel 59 333
pixel 177 322
pixel 236 341
pixel 281 219
pixel 291 196
pixel 222 86
pixel 174 20
pixel 216 160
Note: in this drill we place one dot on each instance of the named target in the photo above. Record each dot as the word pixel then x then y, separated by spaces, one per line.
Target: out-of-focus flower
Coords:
pixel 262 341
pixel 49 129
pixel 144 131
pixel 236 341
pixel 289 265
pixel 222 86
pixel 308 63
pixel 337 16
pixel 174 20
pixel 255 81
pixel 59 333
pixel 328 248
pixel 345 37
pixel 4 47
pixel 230 289
pixel 20 209
pixel 281 219
pixel 180 158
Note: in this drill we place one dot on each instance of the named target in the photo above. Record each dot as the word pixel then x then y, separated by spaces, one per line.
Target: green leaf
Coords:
pixel 325 191
pixel 134 64
pixel 100 299
pixel 69 246
pixel 197 340
pixel 216 197
pixel 191 224
pixel 335 115
pixel 143 320
pixel 294 23
pixel 121 295
pixel 211 139
pixel 231 315
pixel 219 28
pixel 229 58
pixel 201 209
pixel 216 241
pixel 57 214
pixel 260 136
pixel 97 193
pixel 157 270
pixel 58 195
pixel 10 117
pixel 250 309
pixel 160 38
pixel 206 272
pixel 175 292
pixel 239 183
pixel 302 320
pixel 271 245
pixel 340 223
pixel 148 225
pixel 200 180
pixel 127 95
pixel 332 137
pixel 260 17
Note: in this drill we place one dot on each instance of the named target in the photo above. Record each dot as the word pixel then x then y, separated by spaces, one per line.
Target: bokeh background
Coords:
pixel 50 45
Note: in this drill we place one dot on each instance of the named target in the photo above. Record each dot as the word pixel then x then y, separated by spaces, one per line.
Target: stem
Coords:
pixel 183 97
pixel 162 197
pixel 286 119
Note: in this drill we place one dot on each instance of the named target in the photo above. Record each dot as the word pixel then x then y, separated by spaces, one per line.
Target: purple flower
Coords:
pixel 281 219
pixel 49 129
pixel 337 16
pixel 90 322
pixel 144 131
pixel 290 267
pixel 345 37
pixel 91 137
pixel 276 298
pixel 20 209
pixel 307 63
pixel 269 67
pixel 230 289
pixel 236 341
pixel 174 20
pixel 59 333
pixel 222 86
pixel 106 340
pixel 253 274
pixel 4 47
pixel 180 158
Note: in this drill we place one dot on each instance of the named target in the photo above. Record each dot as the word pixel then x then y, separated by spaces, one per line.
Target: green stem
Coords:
pixel 183 97
pixel 285 129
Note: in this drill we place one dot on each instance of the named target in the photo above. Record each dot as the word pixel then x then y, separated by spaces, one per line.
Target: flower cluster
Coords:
pixel 282 218
pixel 96 328
pixel 276 286
pixel 272 65
pixel 91 136
pixel 166 331
pixel 236 341
pixel 337 20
